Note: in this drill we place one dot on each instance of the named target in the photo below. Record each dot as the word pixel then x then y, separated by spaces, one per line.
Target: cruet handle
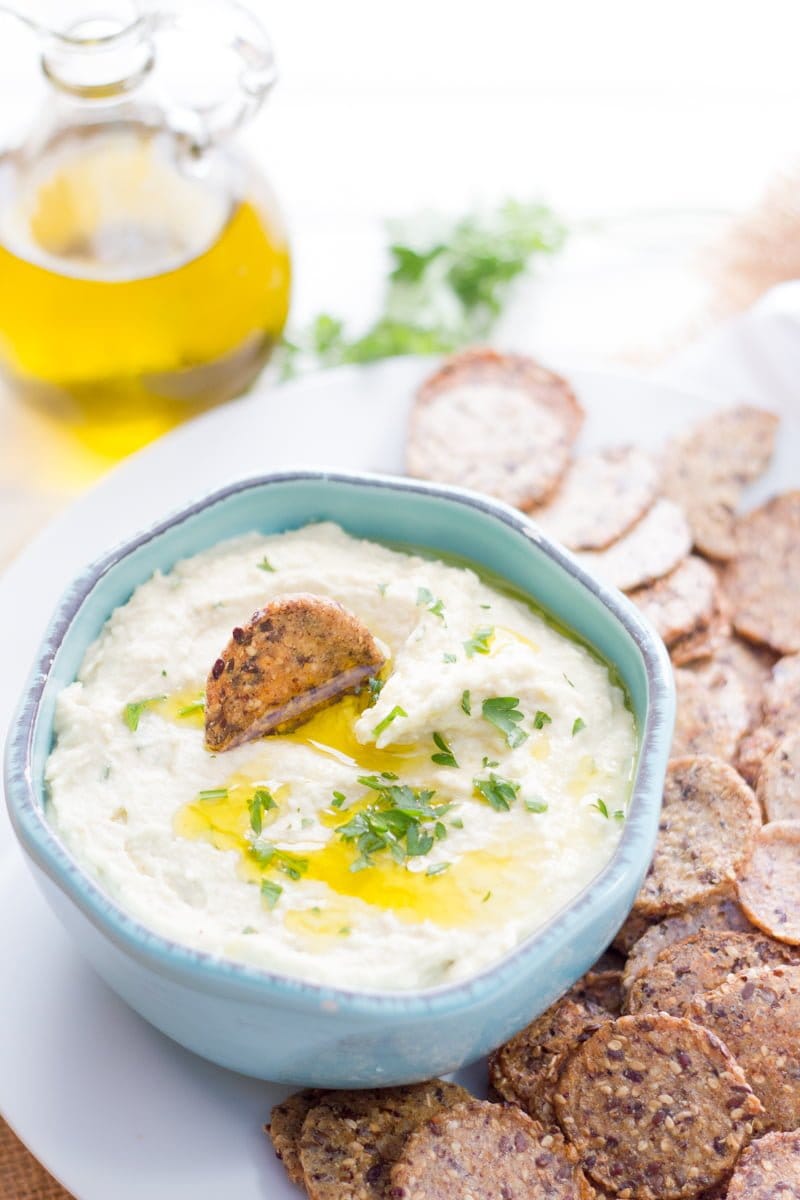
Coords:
pixel 228 24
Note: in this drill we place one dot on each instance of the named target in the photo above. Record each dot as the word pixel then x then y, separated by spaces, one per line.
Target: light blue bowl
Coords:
pixel 279 1028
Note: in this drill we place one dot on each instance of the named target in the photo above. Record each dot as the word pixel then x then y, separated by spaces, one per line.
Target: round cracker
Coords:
pixel 778 788
pixel 707 468
pixel 757 1015
pixel 480 1149
pixel 779 716
pixel 709 819
pixel 498 423
pixel 600 990
pixel 762 582
pixel 524 1071
pixel 712 711
pixel 656 1107
pixel 769 1169
pixel 351 1139
pixel 285 1124
pixel 769 884
pixel 722 911
pixel 292 658
pixel 703 643
pixel 682 603
pixel 601 497
pixel 698 964
pixel 752 666
pixel 651 549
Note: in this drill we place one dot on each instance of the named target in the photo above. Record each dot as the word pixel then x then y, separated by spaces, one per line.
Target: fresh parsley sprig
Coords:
pixel 500 793
pixel 131 713
pixel 504 714
pixel 401 820
pixel 445 757
pixel 448 283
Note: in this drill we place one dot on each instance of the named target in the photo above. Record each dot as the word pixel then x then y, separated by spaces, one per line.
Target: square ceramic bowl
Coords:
pixel 284 1029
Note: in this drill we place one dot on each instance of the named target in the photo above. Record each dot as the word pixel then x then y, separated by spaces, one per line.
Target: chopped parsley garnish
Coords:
pixel 382 588
pixel 601 807
pixel 456 823
pixel 401 820
pixel 489 762
pixel 260 802
pixel 488 896
pixel 338 799
pixel 189 710
pixel 375 686
pixel 292 865
pixel 619 815
pixel 502 712
pixel 500 793
pixel 133 711
pixel 265 565
pixel 432 603
pixel 466 703
pixel 397 711
pixel 479 642
pixel 535 805
pixel 569 681
pixel 577 725
pixel 270 892
pixel 541 719
pixel 220 793
pixel 448 658
pixel 344 931
pixel 445 758
pixel 437 869
pixel 249 929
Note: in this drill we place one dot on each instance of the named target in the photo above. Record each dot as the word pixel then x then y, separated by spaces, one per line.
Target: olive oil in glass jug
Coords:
pixel 144 270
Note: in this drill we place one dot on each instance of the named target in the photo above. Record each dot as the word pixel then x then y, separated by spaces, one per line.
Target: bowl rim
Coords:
pixel 186 963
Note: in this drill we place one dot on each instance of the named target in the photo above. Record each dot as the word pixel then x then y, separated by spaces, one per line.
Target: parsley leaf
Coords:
pixel 133 711
pixel 219 793
pixel 375 686
pixel 401 820
pixel 541 719
pixel 500 793
pixel 466 703
pixel 397 711
pixel 260 802
pixel 431 602
pixel 195 706
pixel 502 712
pixel 601 807
pixel 265 565
pixel 438 869
pixel 535 805
pixel 270 892
pixel 479 642
pixel 446 758
pixel 448 658
pixel 338 799
pixel 577 725
pixel 268 855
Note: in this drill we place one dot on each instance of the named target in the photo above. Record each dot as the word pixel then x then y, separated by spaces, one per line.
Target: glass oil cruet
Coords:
pixel 144 269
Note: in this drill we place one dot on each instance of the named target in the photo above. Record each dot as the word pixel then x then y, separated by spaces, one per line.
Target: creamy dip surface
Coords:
pixel 360 850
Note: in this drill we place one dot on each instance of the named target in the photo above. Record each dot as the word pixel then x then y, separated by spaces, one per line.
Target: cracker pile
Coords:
pixel 671 1071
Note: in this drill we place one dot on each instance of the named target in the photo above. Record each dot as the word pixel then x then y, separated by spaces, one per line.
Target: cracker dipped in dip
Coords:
pixel 406 833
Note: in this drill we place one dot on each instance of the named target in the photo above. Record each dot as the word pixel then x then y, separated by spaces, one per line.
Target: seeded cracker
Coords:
pixel 286 1122
pixel 769 884
pixel 769 1169
pixel 699 964
pixel 656 1107
pixel 480 1150
pixel 682 603
pixel 600 990
pixel 498 423
pixel 778 789
pixel 709 819
pixel 712 711
pixel 763 581
pixel 757 1015
pixel 290 659
pixel 602 496
pixel 722 911
pixel 525 1070
pixel 350 1141
pixel 651 549
pixel 702 643
pixel 707 469
pixel 780 715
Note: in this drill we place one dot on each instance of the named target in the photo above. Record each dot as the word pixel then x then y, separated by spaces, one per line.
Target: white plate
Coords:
pixel 113 1109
